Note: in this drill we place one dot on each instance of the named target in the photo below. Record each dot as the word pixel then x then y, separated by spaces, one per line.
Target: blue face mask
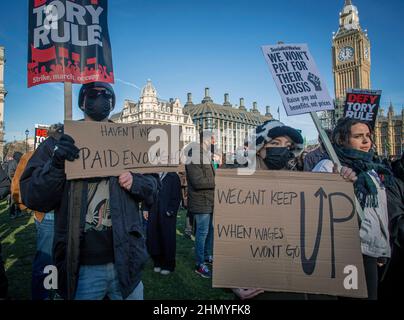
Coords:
pixel 277 158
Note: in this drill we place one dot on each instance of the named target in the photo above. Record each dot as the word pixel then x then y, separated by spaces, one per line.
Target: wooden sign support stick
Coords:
pixel 68 101
pixel 331 152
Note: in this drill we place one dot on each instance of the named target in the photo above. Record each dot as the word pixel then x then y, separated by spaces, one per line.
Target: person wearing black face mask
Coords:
pixel 99 246
pixel 276 145
pixel 277 157
pixel 97 100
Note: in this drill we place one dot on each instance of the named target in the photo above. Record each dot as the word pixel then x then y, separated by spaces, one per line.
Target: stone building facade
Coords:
pixel 231 123
pixel 149 109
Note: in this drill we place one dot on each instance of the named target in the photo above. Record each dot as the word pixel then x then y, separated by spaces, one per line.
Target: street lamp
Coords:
pixel 26 140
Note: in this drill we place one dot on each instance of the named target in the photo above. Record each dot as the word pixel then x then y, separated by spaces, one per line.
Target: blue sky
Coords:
pixel 187 45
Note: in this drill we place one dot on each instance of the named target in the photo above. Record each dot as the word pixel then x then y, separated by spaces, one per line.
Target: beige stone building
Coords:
pixel 231 123
pixel 149 109
pixel 3 94
pixel 389 133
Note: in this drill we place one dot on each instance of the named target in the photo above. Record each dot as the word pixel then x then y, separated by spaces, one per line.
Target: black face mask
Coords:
pixel 98 104
pixel 277 158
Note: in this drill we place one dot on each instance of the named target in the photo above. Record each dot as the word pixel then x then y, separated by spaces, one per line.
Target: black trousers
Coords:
pixel 391 285
pixel 161 240
pixel 3 279
pixel 372 276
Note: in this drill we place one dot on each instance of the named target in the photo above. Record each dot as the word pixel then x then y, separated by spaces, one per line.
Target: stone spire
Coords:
pixel 349 17
pixel 149 89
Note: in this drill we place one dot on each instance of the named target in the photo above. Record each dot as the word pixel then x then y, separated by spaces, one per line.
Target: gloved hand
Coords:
pixel 64 150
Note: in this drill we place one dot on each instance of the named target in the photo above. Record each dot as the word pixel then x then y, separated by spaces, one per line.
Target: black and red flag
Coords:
pixel 362 104
pixel 69 42
pixel 41 134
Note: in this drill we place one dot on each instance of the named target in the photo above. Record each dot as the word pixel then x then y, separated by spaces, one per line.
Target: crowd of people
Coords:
pixel 100 232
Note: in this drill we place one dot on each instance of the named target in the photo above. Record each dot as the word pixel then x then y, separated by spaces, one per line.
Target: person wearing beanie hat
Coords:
pixel 276 145
pixel 99 248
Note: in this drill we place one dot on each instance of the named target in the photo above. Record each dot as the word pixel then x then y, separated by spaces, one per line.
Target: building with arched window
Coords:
pixel 152 110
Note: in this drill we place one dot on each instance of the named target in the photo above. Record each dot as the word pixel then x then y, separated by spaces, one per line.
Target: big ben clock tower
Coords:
pixel 350 55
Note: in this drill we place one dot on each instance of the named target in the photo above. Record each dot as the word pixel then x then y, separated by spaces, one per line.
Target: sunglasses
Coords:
pixel 94 94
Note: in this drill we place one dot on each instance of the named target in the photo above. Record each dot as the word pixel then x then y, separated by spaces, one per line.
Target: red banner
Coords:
pixel 69 42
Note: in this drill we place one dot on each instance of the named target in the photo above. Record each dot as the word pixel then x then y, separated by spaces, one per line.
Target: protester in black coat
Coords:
pixel 98 227
pixel 392 275
pixel 5 184
pixel 398 168
pixel 3 279
pixel 161 227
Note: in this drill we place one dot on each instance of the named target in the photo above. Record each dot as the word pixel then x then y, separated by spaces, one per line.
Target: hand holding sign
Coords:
pixel 126 180
pixel 64 150
pixel 347 173
pixel 245 294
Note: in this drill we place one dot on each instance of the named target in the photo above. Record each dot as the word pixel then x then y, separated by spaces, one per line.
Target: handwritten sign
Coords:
pixel 287 232
pixel 109 149
pixel 297 78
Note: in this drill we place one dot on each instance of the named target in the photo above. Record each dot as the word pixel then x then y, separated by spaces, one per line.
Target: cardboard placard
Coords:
pixel 109 149
pixel 297 78
pixel 287 232
pixel 362 105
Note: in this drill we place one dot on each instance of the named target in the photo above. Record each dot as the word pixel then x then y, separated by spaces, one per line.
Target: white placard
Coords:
pixel 294 70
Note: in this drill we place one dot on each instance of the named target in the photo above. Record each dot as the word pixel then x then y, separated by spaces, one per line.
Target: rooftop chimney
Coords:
pixel 189 100
pixel 207 97
pixel 255 107
pixel 226 100
pixel 242 106
pixel 268 112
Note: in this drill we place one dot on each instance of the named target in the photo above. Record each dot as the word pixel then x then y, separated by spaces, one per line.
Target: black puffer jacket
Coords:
pixel 44 188
pixel 398 169
pixel 392 280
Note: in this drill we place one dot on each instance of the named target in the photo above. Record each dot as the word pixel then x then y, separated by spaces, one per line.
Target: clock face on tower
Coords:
pixel 346 54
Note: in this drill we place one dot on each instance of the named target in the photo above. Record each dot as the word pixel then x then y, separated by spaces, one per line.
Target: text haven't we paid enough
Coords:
pixel 109 149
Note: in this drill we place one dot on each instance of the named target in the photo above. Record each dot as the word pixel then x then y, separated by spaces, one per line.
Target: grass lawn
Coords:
pixel 18 243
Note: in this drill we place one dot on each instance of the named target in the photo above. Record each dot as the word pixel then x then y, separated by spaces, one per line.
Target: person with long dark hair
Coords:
pixel 354 147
